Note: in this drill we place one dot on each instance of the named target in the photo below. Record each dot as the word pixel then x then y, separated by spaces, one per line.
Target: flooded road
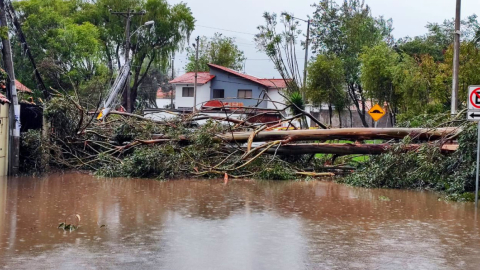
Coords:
pixel 193 224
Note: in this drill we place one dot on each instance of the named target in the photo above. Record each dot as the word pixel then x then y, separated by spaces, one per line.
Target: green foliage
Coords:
pixel 276 172
pixel 280 47
pixel 377 72
pixel 79 45
pixel 344 31
pixel 62 115
pixel 438 38
pixel 31 151
pixel 326 81
pixel 297 103
pixel 219 50
pixel 425 168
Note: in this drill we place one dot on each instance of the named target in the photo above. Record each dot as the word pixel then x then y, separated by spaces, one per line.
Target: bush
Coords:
pixel 31 152
pixel 425 168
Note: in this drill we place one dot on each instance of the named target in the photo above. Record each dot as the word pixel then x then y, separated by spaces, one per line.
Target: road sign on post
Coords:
pixel 473 114
pixel 376 112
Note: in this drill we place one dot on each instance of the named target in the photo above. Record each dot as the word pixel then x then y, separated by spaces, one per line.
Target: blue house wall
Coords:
pixel 231 84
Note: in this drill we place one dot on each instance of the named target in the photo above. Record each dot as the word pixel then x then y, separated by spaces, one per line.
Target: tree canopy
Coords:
pixel 219 50
pixel 344 30
pixel 79 45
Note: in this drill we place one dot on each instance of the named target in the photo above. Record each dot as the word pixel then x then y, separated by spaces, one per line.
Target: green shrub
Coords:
pixel 425 168
pixel 31 152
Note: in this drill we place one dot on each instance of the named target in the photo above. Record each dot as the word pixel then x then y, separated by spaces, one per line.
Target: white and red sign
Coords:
pixel 473 113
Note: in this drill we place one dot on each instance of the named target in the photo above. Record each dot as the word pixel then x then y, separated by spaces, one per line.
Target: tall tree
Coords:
pixel 219 50
pixel 326 84
pixel 377 69
pixel 345 30
pixel 280 47
pixel 80 41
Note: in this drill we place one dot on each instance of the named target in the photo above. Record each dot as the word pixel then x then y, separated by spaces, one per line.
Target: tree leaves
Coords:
pixel 219 50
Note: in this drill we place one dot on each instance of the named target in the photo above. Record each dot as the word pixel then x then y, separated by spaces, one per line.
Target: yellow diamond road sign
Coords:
pixel 376 112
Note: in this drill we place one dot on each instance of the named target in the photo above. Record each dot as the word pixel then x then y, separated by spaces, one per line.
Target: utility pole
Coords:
pixel 307 41
pixel 196 75
pixel 14 109
pixel 456 60
pixel 173 88
pixel 26 50
pixel 128 15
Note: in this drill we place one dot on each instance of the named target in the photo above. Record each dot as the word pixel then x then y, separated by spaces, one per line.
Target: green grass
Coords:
pixel 357 158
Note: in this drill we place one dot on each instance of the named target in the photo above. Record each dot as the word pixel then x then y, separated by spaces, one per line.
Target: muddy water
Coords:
pixel 240 225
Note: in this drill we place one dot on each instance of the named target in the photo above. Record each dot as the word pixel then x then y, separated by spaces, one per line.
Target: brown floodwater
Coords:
pixel 207 224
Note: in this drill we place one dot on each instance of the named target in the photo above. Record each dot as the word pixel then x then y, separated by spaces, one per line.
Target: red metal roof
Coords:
pixel 204 77
pixel 274 83
pixel 21 87
pixel 245 76
pixel 189 78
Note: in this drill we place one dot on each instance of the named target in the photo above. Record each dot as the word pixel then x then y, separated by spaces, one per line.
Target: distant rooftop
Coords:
pixel 204 77
pixel 189 78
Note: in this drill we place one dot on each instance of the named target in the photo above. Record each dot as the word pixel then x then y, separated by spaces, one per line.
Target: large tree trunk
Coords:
pixel 422 134
pixel 339 118
pixel 351 116
pixel 330 114
pixel 357 102
pixel 346 149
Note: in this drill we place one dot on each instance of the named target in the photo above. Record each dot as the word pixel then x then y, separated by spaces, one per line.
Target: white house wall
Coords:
pixel 203 95
pixel 163 102
pixel 275 96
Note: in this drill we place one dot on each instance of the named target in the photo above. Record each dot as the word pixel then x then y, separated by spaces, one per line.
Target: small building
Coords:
pixel 229 87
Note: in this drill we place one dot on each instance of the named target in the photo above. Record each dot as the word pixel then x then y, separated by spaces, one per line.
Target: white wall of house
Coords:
pixel 275 96
pixel 163 102
pixel 203 95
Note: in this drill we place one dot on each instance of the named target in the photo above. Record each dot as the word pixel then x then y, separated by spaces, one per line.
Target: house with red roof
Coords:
pixel 222 85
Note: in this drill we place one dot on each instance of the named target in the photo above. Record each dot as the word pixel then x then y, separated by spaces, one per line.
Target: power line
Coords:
pixel 227 30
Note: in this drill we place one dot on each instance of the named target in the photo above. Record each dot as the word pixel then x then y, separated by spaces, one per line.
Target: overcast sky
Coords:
pixel 409 19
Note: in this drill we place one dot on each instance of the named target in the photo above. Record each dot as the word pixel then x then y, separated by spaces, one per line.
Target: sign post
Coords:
pixel 473 114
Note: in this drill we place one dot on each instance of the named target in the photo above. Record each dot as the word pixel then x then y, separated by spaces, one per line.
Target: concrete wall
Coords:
pixel 231 84
pixel 203 95
pixel 324 117
pixel 4 132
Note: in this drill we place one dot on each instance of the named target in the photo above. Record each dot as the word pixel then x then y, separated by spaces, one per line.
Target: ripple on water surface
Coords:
pixel 193 224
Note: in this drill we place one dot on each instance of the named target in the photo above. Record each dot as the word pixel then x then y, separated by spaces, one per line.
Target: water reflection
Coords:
pixel 190 224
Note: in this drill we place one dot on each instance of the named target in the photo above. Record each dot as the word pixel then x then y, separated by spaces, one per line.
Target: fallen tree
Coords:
pixel 125 144
pixel 342 149
pixel 356 134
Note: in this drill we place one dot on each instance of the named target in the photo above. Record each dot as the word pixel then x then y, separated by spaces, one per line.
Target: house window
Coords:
pixel 244 93
pixel 187 92
pixel 218 93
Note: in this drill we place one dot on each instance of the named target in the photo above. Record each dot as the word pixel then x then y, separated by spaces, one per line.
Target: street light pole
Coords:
pixel 173 87
pixel 196 75
pixel 128 15
pixel 127 56
pixel 456 60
